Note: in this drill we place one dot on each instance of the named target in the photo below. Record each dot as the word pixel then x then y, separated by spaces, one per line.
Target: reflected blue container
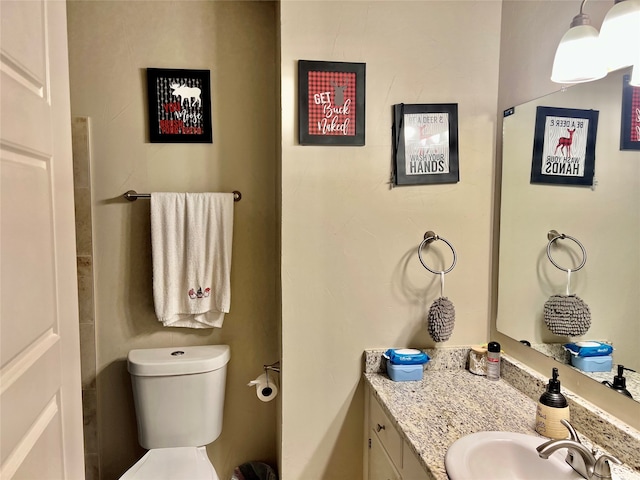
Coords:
pixel 593 364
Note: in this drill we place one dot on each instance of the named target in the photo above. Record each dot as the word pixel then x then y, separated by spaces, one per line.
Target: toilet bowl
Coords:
pixel 180 463
pixel 179 400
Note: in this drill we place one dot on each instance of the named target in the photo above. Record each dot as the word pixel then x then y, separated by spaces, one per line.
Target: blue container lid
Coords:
pixel 406 356
pixel 589 349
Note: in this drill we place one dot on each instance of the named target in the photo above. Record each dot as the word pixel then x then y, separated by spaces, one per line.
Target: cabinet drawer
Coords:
pixel 380 467
pixel 386 432
pixel 412 469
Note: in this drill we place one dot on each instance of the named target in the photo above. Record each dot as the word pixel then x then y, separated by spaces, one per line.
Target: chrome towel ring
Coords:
pixel 553 235
pixel 432 237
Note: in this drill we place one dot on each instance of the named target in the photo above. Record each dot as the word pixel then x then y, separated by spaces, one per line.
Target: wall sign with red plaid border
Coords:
pixel 179 105
pixel 331 103
pixel 630 131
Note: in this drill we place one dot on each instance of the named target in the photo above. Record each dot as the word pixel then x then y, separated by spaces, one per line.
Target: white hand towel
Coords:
pixel 191 236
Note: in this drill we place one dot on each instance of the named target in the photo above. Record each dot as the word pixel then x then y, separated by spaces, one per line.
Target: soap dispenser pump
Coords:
pixel 552 409
pixel 619 382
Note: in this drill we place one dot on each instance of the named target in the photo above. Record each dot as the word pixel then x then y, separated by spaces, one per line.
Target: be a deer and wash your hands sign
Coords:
pixel 331 103
pixel 179 106
pixel 564 146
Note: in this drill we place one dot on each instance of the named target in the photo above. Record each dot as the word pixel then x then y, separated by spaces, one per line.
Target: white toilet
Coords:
pixel 179 400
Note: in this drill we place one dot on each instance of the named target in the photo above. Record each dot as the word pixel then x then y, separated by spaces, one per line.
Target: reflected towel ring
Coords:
pixel 553 235
pixel 432 237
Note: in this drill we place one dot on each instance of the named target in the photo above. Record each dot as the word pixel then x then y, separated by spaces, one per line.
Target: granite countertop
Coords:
pixel 448 404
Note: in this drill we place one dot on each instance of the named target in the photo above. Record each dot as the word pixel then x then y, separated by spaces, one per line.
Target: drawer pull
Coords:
pixel 379 427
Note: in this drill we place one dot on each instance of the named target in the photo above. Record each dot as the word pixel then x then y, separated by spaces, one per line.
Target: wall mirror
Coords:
pixel 604 217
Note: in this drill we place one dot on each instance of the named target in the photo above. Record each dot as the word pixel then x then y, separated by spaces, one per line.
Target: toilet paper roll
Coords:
pixel 266 387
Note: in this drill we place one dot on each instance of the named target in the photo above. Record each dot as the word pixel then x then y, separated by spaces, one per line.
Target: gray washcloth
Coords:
pixel 440 319
pixel 567 315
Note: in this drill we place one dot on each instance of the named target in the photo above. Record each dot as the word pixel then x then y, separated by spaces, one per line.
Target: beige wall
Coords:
pixel 351 278
pixel 530 33
pixel 111 44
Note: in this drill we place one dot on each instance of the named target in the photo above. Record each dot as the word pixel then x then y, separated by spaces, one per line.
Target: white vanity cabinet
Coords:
pixel 387 456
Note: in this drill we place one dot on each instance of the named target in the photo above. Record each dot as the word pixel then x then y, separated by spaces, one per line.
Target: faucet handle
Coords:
pixel 602 469
pixel 573 435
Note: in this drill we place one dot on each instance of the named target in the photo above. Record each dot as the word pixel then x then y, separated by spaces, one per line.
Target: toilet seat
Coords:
pixel 180 463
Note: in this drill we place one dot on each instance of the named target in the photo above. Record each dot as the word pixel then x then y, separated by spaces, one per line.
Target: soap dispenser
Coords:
pixel 619 382
pixel 552 408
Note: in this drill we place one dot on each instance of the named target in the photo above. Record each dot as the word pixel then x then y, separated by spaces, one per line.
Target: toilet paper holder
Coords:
pixel 274 367
pixel 266 385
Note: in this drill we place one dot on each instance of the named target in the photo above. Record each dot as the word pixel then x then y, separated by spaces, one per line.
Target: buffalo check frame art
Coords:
pixel 331 103
pixel 179 106
pixel 630 125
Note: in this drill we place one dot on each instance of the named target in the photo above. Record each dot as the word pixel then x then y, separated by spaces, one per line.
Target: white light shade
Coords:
pixel 635 72
pixel 620 34
pixel 578 58
pixel 635 76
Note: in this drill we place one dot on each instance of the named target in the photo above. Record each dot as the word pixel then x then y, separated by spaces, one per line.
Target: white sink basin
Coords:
pixel 504 455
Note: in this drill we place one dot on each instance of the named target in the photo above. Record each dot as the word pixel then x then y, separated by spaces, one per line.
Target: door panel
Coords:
pixel 40 390
pixel 27 252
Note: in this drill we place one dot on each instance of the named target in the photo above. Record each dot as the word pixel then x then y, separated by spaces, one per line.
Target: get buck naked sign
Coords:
pixel 331 103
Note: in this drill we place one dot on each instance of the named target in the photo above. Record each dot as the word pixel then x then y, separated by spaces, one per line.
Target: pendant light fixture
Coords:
pixel 620 34
pixel 635 77
pixel 635 72
pixel 579 56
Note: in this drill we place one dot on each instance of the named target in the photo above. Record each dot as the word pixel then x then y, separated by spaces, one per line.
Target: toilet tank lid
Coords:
pixel 150 362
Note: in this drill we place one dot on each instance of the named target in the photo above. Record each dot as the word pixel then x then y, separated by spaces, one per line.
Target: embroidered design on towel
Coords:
pixel 199 294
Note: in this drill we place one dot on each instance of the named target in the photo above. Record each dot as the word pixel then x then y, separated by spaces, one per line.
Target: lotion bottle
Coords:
pixel 552 408
pixel 493 361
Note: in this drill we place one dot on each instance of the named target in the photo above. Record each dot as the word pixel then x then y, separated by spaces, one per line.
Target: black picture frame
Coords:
pixel 331 103
pixel 179 104
pixel 425 144
pixel 564 146
pixel 630 125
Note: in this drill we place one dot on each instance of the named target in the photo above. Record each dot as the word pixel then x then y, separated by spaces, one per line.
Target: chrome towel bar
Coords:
pixel 132 195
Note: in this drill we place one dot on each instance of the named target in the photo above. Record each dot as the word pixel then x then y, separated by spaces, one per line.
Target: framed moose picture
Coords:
pixel 564 146
pixel 179 106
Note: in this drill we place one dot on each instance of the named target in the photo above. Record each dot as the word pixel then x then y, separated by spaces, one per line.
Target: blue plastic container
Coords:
pixel 404 373
pixel 593 364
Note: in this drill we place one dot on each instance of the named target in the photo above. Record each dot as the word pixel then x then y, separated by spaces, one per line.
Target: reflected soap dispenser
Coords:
pixel 619 382
pixel 552 408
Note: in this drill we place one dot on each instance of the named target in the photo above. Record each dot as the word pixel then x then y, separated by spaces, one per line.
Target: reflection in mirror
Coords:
pixel 605 218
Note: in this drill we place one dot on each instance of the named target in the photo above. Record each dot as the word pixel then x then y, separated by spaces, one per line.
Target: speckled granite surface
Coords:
pixel 450 402
pixel 604 429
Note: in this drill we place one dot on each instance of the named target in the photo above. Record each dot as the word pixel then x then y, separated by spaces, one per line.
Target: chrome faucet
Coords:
pixel 581 459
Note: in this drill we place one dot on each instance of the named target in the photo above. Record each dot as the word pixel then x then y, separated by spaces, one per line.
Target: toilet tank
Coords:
pixel 178 394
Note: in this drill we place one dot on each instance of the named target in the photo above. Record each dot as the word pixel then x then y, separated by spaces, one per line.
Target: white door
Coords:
pixel 40 390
